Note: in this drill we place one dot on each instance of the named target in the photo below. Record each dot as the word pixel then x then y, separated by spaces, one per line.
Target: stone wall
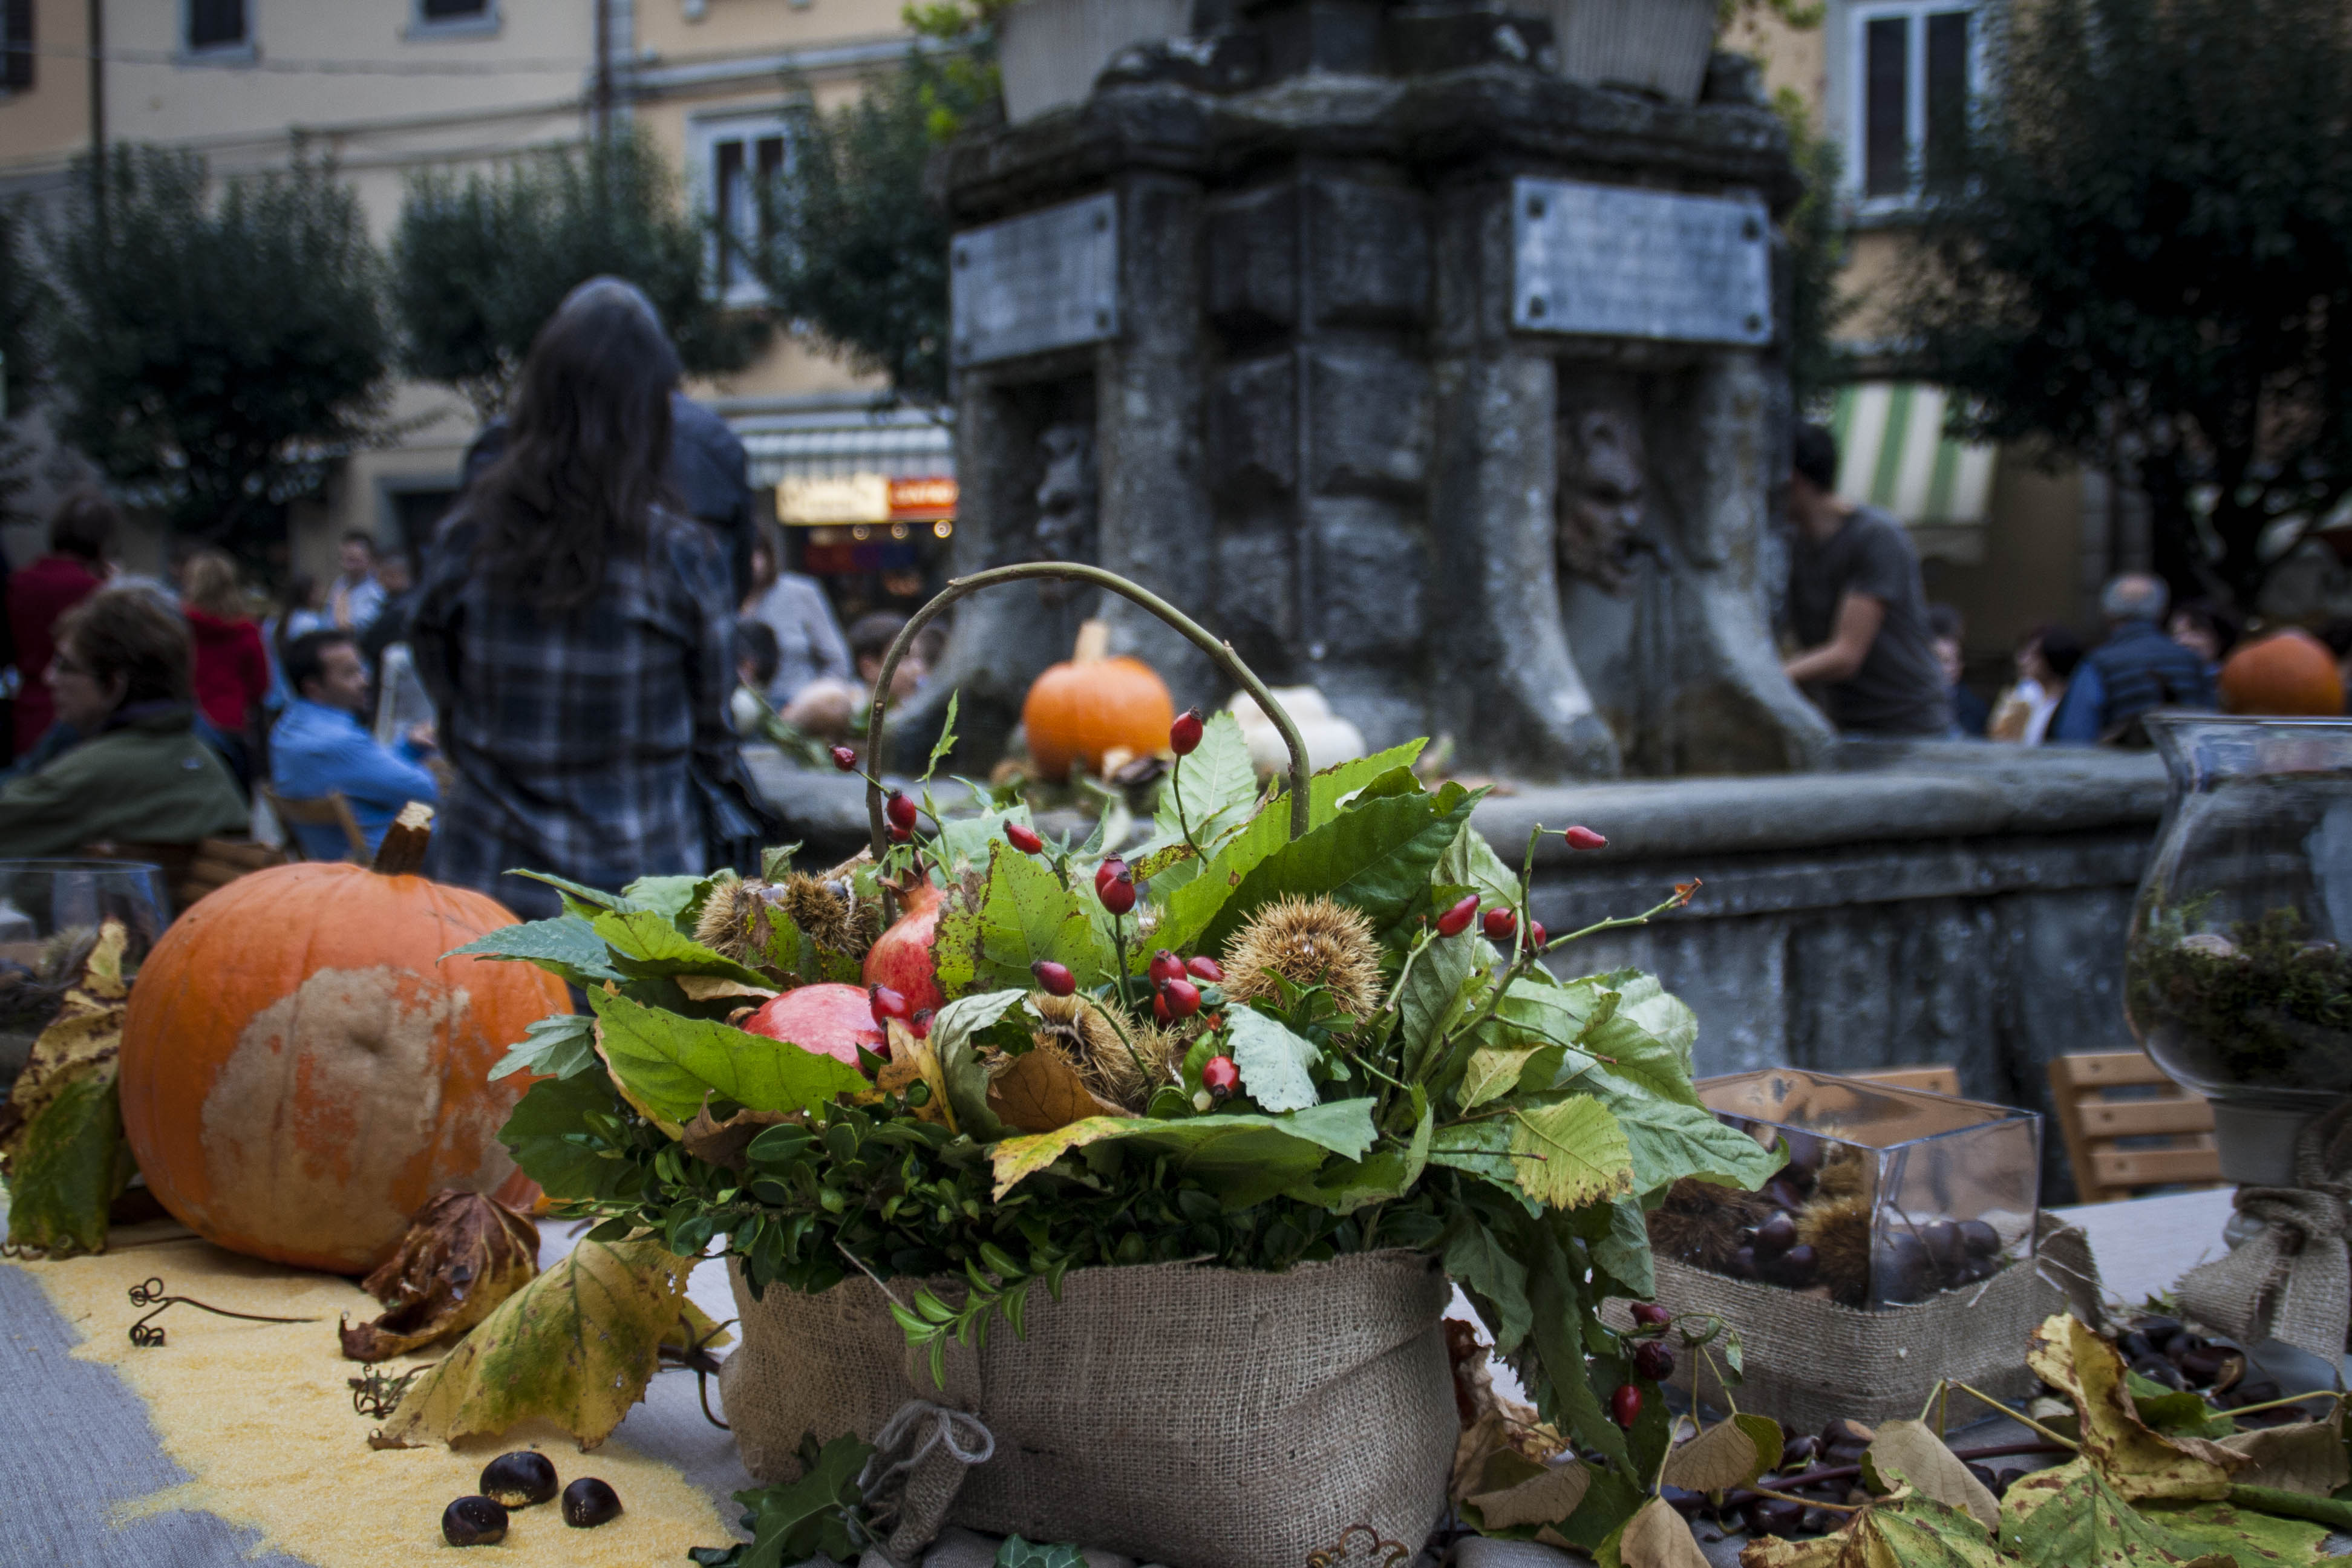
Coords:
pixel 1929 904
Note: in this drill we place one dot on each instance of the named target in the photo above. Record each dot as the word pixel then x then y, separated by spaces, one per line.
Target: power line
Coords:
pixel 323 68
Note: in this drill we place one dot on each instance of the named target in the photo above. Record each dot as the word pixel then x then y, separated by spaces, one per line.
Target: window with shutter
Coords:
pixel 16 44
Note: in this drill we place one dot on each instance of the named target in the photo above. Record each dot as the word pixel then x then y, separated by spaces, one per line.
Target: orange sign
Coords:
pixel 923 499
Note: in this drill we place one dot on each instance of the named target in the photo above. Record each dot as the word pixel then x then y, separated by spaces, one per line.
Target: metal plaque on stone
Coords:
pixel 1047 280
pixel 1611 261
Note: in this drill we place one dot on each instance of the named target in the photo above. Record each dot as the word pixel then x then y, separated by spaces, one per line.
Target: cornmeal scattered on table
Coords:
pixel 260 1414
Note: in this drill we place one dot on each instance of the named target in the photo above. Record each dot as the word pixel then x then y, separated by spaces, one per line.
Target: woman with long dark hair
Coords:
pixel 575 629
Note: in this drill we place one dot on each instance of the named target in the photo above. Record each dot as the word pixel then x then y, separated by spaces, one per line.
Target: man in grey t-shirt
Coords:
pixel 1858 607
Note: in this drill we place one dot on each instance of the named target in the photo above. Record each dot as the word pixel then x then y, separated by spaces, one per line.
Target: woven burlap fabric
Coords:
pixel 1198 1417
pixel 1809 1360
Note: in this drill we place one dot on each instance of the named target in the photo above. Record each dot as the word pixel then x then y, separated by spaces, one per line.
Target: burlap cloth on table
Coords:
pixel 1198 1417
pixel 1809 1360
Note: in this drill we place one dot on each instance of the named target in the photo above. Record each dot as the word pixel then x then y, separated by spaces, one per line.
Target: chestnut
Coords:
pixel 588 1502
pixel 473 1521
pixel 518 1479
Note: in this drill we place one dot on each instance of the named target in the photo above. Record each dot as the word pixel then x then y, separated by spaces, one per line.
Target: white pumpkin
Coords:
pixel 1330 739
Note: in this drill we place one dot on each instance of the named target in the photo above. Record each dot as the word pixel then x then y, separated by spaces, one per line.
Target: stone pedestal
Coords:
pixel 1325 418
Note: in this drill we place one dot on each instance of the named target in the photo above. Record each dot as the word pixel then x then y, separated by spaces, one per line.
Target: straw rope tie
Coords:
pixel 2291 1280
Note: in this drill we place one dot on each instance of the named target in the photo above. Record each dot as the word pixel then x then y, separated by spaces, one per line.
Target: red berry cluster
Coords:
pixel 1498 924
pixel 1176 985
pixel 1115 886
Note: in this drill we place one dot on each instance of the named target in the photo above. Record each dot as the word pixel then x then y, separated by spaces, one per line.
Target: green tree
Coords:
pixel 23 297
pixel 479 263
pixel 212 347
pixel 1818 244
pixel 2147 264
pixel 855 249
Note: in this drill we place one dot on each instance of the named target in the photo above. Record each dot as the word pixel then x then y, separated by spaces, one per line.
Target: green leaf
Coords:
pixel 1482 1148
pixel 1670 1141
pixel 567 946
pixel 580 899
pixel 793 1522
pixel 1023 915
pixel 946 742
pixel 1018 1553
pixel 648 945
pixel 2334 1512
pixel 1624 1252
pixel 1376 856
pixel 956 1036
pixel 1563 1391
pixel 556 1047
pixel 546 1135
pixel 668 896
pixel 1481 1265
pixel 1645 1003
pixel 1447 981
pixel 1530 1039
pixel 1471 862
pixel 1216 784
pixel 966 841
pixel 2072 1515
pixel 1570 1152
pixel 70 1164
pixel 1242 1159
pixel 1617 1058
pixel 670 1061
pixel 2181 1414
pixel 1273 1061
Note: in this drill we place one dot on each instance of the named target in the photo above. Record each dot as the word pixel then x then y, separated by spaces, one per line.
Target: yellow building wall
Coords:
pixel 48 124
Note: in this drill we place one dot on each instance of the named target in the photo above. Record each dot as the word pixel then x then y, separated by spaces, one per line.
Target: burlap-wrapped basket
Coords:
pixel 1809 1360
pixel 1198 1417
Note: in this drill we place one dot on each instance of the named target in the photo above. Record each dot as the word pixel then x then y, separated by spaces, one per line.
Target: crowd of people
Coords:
pixel 1883 661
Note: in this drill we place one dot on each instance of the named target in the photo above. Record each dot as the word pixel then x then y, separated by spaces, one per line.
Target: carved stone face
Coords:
pixel 1600 495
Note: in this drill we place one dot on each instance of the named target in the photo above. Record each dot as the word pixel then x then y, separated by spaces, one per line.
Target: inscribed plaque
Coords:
pixel 1615 262
pixel 1047 280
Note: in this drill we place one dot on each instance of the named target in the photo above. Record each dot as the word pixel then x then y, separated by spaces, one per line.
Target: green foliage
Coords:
pixel 854 248
pixel 479 264
pixel 2146 263
pixel 1818 250
pixel 557 1047
pixel 71 1164
pixel 821 1513
pixel 1803 15
pixel 214 346
pixel 23 297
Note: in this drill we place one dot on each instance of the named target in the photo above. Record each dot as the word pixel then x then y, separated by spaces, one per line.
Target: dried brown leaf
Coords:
pixel 722 1144
pixel 913 1060
pixel 1658 1537
pixel 1040 1091
pixel 713 987
pixel 462 1256
pixel 2307 1457
pixel 2136 1461
pixel 1909 1451
pixel 1720 1459
pixel 81 1041
pixel 1546 1497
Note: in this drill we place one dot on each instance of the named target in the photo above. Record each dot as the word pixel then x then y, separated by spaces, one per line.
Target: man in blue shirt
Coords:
pixel 319 745
pixel 2134 671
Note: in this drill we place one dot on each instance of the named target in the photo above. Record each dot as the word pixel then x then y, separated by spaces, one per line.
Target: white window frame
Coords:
pixel 238 54
pixel 1849 80
pixel 748 126
pixel 421 26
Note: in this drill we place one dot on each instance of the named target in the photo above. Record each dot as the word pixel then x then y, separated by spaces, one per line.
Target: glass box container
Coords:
pixel 1890 1196
pixel 49 916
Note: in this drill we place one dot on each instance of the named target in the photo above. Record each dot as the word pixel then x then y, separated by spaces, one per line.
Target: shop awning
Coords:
pixel 903 443
pixel 1894 454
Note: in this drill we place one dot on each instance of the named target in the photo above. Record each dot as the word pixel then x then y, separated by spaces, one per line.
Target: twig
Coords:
pixel 2017 1416
pixel 871 1275
pixel 1806 1502
pixel 151 1294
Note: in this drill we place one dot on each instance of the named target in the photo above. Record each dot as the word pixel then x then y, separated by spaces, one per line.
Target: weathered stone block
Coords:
pixel 1371 423
pixel 1369 246
pixel 1372 573
pixel 1253 432
pixel 1252 275
pixel 1255 601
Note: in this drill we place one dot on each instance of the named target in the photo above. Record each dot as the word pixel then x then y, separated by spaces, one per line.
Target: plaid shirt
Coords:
pixel 570 734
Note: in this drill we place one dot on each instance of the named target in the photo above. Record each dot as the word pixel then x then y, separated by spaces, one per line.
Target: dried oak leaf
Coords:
pixel 463 1254
pixel 81 1040
pixel 1547 1497
pixel 61 1144
pixel 2137 1460
pixel 1040 1091
pixel 1655 1537
pixel 576 1346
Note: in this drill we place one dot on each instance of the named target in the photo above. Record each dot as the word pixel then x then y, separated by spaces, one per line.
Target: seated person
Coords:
pixel 121 676
pixel 835 709
pixel 757 656
pixel 319 746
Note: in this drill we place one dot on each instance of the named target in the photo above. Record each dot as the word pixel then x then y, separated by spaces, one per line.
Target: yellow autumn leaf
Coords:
pixel 2136 1461
pixel 1570 1152
pixel 913 1060
pixel 1716 1460
pixel 1016 1158
pixel 576 1346
pixel 1906 1451
pixel 81 1040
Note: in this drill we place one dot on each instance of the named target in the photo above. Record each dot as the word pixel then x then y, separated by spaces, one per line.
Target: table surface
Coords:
pixel 75 1441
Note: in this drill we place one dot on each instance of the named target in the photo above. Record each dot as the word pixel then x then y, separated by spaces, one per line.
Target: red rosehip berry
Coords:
pixel 1160 1008
pixel 901 835
pixel 1053 979
pixel 1023 839
pixel 1536 935
pixel 1185 734
pixel 1653 1361
pixel 1625 1406
pixel 845 759
pixel 1584 838
pixel 1499 924
pixel 1203 967
pixel 900 809
pixel 919 1026
pixel 1116 890
pixel 1184 997
pixel 887 1005
pixel 1166 966
pixel 1220 1077
pixel 1650 1315
pixel 1456 920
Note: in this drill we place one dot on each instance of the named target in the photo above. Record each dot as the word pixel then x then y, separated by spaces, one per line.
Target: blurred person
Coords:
pixel 119 676
pixel 354 598
pixel 1858 606
pixel 231 675
pixel 2206 629
pixel 575 631
pixel 756 657
pixel 1949 630
pixel 835 709
pixel 81 532
pixel 2046 657
pixel 320 744
pixel 2136 670
pixel 303 610
pixel 391 622
pixel 809 644
pixel 708 470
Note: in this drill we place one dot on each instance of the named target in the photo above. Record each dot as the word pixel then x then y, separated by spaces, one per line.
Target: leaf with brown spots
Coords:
pixel 463 1255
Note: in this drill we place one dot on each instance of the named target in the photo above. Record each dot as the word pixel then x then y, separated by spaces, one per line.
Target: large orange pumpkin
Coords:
pixel 2288 673
pixel 301 1069
pixel 1092 706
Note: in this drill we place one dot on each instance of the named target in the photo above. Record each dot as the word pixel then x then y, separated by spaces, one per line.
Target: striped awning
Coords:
pixel 896 445
pixel 1894 454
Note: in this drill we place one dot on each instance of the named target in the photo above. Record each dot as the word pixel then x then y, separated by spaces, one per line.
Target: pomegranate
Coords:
pixel 831 1020
pixel 902 957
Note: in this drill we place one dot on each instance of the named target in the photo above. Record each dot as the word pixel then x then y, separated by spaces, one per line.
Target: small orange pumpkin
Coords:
pixel 2289 673
pixel 301 1069
pixel 1092 706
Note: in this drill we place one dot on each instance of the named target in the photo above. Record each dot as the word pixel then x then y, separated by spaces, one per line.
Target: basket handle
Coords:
pixel 1221 653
